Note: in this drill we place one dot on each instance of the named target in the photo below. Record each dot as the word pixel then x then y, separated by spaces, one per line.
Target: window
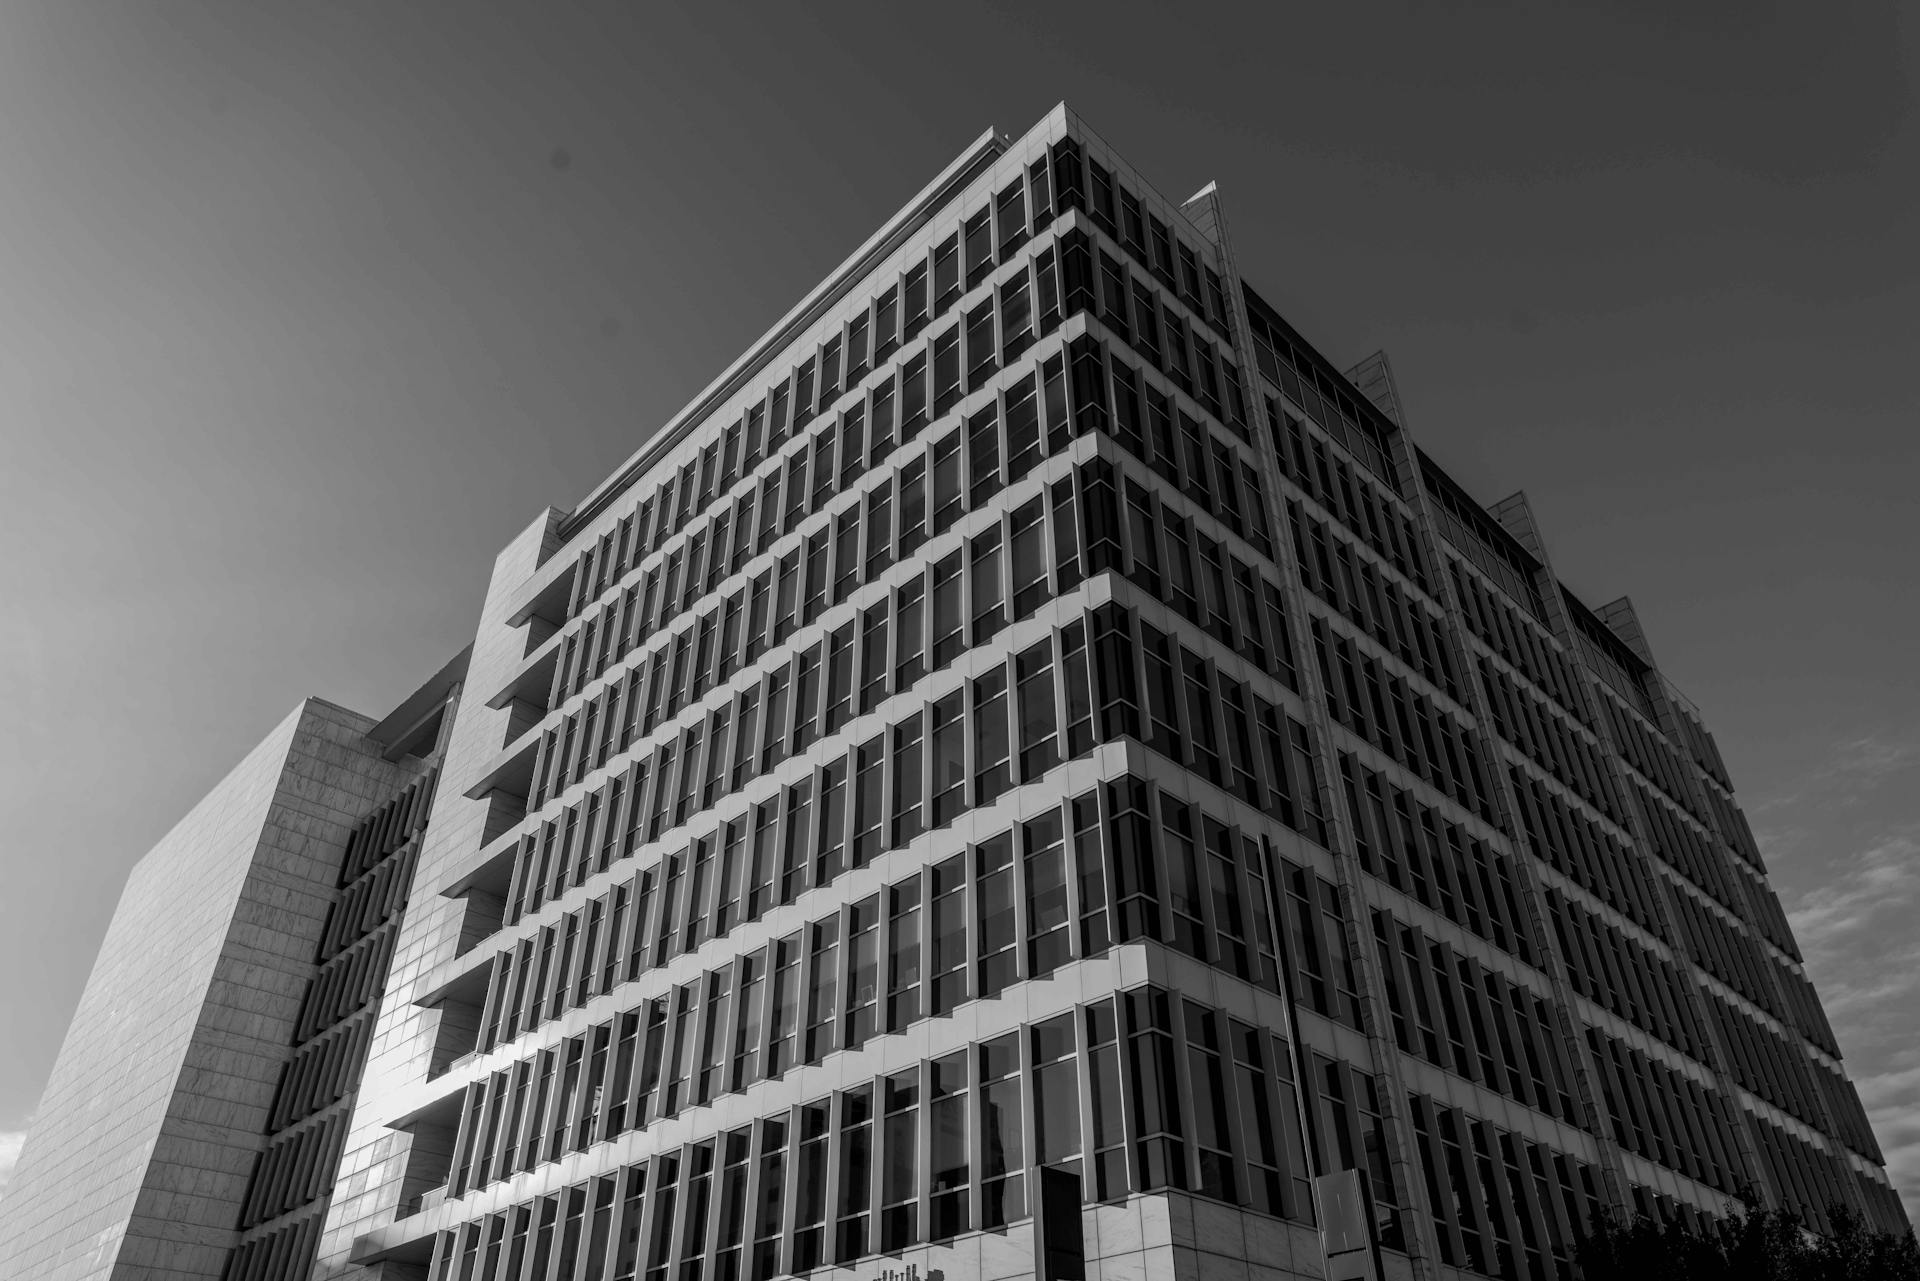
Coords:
pixel 908 782
pixel 873 657
pixel 946 274
pixel 793 863
pixel 1190 279
pixel 983 457
pixel 949 935
pixel 1213 1131
pixel 810 1202
pixel 982 354
pixel 751 448
pixel 1183 879
pixel 806 699
pixel 1126 410
pixel 757 617
pixel 946 371
pixel 1162 250
pixel 879 535
pixel 786 600
pixel 1177 367
pixel 1143 539
pixel 1002 1178
pixel 796 485
pixel 857 336
pixel 1024 449
pixel 1010 217
pixel 1102 192
pixel 1076 677
pixel 846 553
pixel 948 640
pixel 880 442
pixel 773 741
pixel 949 497
pixel 745 741
pixel 1133 226
pixel 1016 318
pixel 1136 882
pixel 853 452
pixel 948 1169
pixel 817 573
pixel 1240 754
pixel 1049 924
pixel 868 801
pixel 911 664
pixel 886 325
pixel 1160 1152
pixel 803 395
pixel 1046 276
pixel 863 974
pixel 903 955
pixel 987 588
pixel 1113 295
pixel 743 531
pixel 1109 1132
pixel 1163 715
pixel 664 944
pixel 1089 863
pixel 1200 719
pixel 731 1223
pixel 1216 301
pixel 1213 590
pixel 948 760
pixel 727 894
pixel 839 679
pixel 783 1006
pixel 830 857
pixel 914 304
pixel 996 938
pixel 978 231
pixel 913 506
pixel 713 1048
pixel 823 992
pixel 1039 717
pixel 856 1174
pixel 899 1186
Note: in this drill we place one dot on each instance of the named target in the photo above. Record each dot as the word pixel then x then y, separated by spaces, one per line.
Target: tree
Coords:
pixel 1748 1244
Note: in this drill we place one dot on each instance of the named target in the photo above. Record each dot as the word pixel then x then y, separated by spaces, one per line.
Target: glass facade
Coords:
pixel 1031 713
pixel 1035 712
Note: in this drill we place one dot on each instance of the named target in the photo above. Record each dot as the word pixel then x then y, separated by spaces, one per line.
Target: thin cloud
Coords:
pixel 1854 769
pixel 1892 1100
pixel 1866 761
pixel 1857 931
pixel 1861 766
pixel 1883 878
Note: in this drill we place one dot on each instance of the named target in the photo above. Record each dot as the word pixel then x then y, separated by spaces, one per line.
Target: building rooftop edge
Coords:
pixel 431 693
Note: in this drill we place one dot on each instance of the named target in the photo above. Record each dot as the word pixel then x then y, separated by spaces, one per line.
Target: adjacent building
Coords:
pixel 1031 720
pixel 197 1104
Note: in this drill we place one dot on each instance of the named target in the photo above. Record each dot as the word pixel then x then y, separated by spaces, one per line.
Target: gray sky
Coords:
pixel 305 310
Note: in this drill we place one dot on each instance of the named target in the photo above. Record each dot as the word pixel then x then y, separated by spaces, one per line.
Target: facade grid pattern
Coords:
pixel 1034 712
pixel 1043 644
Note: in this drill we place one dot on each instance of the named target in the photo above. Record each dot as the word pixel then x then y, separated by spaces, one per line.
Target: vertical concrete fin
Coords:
pixel 1374 377
pixel 1625 623
pixel 1515 515
pixel 1202 209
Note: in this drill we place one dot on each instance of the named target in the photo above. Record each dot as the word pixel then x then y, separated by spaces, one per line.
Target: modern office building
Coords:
pixel 1034 722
